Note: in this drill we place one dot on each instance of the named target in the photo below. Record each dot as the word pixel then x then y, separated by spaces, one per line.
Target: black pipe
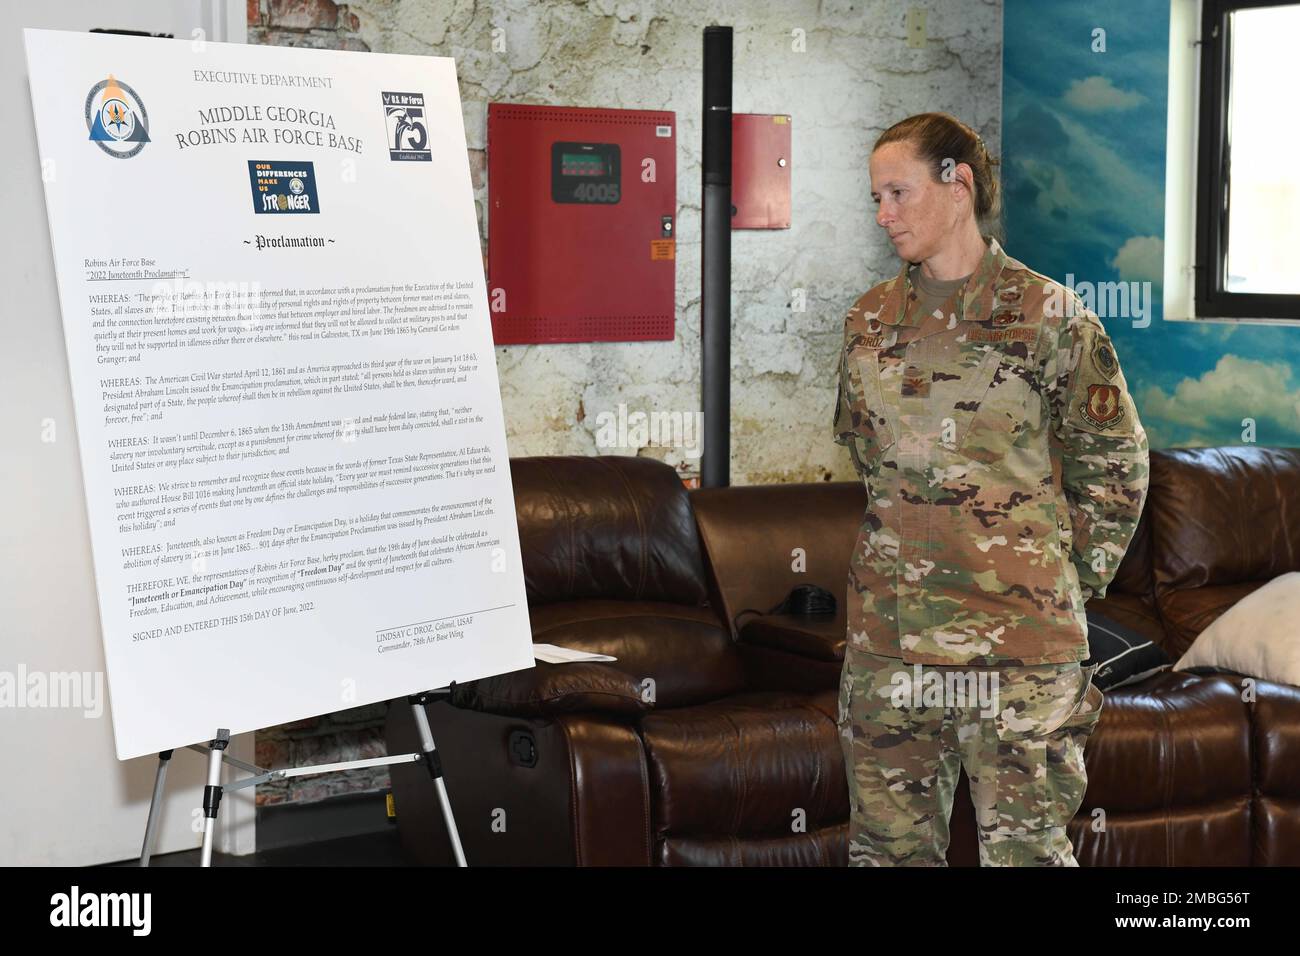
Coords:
pixel 715 265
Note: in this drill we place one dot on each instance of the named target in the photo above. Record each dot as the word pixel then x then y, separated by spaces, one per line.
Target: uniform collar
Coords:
pixel 975 296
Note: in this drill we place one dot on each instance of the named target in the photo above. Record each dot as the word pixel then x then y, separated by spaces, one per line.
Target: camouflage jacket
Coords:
pixel 1004 463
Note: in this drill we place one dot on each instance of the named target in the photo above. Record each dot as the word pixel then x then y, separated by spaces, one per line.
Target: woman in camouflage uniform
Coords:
pixel 1005 469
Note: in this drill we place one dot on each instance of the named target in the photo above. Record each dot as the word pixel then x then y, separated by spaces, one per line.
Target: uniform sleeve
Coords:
pixel 842 429
pixel 1105 454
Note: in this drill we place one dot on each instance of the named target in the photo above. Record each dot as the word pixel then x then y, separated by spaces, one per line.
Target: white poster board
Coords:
pixel 285 387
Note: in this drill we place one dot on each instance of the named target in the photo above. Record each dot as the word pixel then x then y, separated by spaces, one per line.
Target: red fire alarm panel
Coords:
pixel 582 207
pixel 760 171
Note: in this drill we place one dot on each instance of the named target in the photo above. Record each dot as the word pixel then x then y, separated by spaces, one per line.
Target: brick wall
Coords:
pixel 313 23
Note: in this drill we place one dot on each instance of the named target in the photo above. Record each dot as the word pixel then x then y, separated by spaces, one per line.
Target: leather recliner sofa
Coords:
pixel 712 739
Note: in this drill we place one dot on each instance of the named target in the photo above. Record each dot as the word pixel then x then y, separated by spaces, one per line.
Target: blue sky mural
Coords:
pixel 1083 173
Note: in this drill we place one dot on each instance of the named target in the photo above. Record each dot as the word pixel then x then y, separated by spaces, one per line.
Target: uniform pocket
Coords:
pixel 1039 766
pixel 1007 406
pixel 1085 716
pixel 870 421
pixel 1034 701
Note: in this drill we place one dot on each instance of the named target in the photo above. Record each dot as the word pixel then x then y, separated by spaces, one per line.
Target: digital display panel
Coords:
pixel 585 173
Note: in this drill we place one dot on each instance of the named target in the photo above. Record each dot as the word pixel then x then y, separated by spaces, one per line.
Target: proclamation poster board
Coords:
pixel 282 367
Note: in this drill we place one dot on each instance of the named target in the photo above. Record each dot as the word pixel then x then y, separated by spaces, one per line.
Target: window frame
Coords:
pixel 1213 154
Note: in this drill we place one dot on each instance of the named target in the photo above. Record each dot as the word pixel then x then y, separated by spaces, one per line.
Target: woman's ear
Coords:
pixel 964 176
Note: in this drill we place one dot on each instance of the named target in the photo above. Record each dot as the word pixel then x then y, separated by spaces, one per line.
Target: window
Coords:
pixel 1248 190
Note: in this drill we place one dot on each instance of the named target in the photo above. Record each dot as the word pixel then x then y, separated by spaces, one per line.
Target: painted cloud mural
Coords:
pixel 1083 167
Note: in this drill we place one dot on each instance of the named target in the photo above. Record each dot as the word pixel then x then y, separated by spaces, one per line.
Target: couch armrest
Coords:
pixel 548 689
pixel 816 638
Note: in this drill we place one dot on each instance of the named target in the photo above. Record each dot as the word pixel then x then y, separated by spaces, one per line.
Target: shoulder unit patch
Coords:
pixel 1103 357
pixel 1102 408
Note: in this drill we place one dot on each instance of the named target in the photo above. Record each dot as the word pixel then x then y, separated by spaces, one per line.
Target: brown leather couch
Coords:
pixel 712 739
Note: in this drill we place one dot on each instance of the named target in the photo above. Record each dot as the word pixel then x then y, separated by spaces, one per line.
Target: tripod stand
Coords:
pixel 213 791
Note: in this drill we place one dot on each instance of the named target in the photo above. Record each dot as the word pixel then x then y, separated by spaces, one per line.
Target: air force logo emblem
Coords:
pixel 408 134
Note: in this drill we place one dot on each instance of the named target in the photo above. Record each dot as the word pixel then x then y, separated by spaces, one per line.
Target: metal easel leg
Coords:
pixel 212 793
pixel 433 763
pixel 155 806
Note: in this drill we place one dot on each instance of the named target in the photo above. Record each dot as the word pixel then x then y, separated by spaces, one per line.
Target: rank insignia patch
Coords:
pixel 915 382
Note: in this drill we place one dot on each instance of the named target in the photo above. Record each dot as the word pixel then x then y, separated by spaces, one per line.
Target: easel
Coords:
pixel 216 751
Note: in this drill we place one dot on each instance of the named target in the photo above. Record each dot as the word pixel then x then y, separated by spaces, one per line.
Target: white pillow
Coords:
pixel 1258 636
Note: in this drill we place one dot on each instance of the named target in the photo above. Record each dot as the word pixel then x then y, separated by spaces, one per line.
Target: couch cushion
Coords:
pixel 1122 654
pixel 1187 613
pixel 1170 767
pixel 1133 612
pixel 1256 636
pixel 609 526
pixel 1276 729
pixel 1174 738
pixel 818 638
pixel 750 534
pixel 545 690
pixel 827 846
pixel 1219 517
pixel 743 766
pixel 684 650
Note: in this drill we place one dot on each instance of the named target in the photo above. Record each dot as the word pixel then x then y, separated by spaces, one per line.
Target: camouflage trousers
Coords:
pixel 908 729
